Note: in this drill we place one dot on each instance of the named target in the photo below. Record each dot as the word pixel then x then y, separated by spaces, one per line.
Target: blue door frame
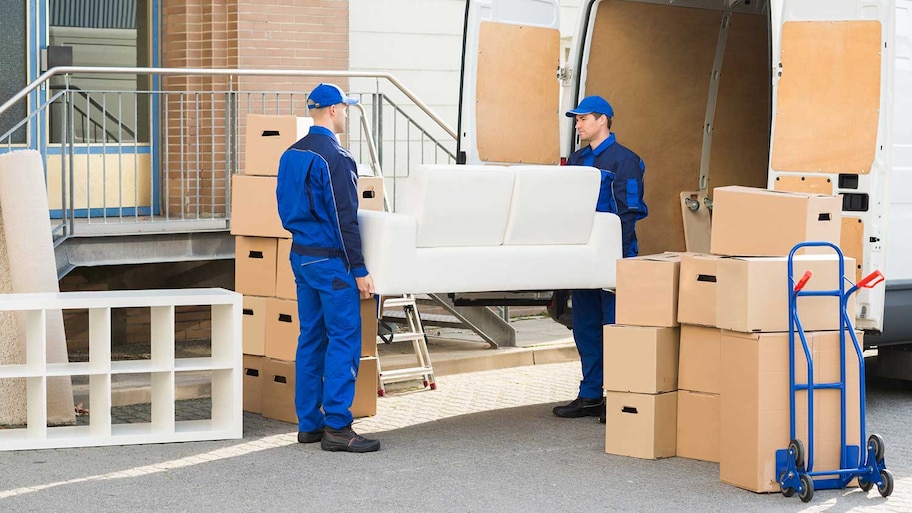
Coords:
pixel 38 35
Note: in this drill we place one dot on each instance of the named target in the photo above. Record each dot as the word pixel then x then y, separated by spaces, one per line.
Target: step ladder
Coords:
pixel 423 370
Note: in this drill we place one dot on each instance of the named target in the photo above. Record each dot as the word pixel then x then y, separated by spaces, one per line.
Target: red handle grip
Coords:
pixel 871 280
pixel 803 281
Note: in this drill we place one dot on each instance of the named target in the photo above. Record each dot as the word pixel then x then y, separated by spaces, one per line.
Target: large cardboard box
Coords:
pixel 369 327
pixel 699 425
pixel 756 402
pixel 253 383
pixel 254 325
pixel 697 289
pixel 268 136
pixel 279 390
pixel 282 329
pixel 700 359
pixel 285 286
pixel 285 289
pixel 753 293
pixel 370 193
pixel 254 209
pixel 647 290
pixel 640 359
pixel 255 266
pixel 366 386
pixel 757 222
pixel 641 425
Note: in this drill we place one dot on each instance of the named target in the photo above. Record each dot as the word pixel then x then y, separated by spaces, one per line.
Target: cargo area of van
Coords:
pixel 778 94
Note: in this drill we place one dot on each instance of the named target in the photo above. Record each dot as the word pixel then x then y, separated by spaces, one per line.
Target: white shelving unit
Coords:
pixel 224 364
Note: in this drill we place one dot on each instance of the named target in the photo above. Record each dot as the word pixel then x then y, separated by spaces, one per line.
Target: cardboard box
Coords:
pixel 267 138
pixel 757 222
pixel 368 327
pixel 700 359
pixel 254 325
pixel 366 386
pixel 753 293
pixel 255 266
pixel 756 402
pixel 699 425
pixel 254 209
pixel 640 359
pixel 279 390
pixel 697 289
pixel 641 425
pixel 285 286
pixel 253 383
pixel 282 329
pixel 647 290
pixel 370 193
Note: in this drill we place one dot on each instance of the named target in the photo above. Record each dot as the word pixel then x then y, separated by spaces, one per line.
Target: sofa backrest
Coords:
pixel 457 205
pixel 552 205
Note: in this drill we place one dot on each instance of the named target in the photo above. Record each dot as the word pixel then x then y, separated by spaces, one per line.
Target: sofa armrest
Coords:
pixel 388 242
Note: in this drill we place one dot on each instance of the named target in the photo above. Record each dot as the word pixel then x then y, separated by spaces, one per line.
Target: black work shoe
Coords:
pixel 581 408
pixel 347 440
pixel 309 437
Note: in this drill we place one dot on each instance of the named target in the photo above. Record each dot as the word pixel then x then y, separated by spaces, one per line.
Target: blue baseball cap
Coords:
pixel 591 104
pixel 326 95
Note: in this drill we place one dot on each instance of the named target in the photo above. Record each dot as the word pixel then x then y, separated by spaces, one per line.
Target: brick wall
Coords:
pixel 274 34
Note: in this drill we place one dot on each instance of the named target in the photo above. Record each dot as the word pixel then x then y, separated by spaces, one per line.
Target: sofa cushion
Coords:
pixel 552 205
pixel 457 206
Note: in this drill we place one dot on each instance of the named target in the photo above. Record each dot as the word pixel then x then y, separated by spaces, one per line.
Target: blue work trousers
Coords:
pixel 591 310
pixel 329 344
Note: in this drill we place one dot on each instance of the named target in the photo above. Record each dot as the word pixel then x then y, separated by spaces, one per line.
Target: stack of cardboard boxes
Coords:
pixel 641 359
pixel 756 229
pixel 263 275
pixel 715 327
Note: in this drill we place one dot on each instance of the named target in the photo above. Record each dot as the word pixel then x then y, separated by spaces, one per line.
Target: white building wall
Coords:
pixel 420 43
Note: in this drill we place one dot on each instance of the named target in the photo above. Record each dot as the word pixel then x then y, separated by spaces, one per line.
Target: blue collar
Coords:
pixel 321 131
pixel 601 147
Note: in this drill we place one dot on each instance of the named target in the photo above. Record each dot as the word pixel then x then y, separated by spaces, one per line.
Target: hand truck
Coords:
pixel 794 466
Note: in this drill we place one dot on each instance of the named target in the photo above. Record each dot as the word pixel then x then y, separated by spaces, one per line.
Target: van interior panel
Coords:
pixel 654 63
pixel 851 242
pixel 739 154
pixel 515 116
pixel 812 184
pixel 828 97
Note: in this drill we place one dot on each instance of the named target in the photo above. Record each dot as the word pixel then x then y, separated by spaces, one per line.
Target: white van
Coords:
pixel 799 95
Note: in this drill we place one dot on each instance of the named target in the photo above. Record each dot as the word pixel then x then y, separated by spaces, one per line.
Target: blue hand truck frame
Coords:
pixel 795 467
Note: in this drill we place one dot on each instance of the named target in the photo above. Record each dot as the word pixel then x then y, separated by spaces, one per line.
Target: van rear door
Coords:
pixel 832 126
pixel 509 94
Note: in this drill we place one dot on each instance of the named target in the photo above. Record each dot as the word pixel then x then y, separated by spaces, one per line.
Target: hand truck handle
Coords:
pixel 803 281
pixel 871 280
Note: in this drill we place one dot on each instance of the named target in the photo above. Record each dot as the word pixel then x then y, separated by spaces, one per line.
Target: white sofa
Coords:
pixel 492 228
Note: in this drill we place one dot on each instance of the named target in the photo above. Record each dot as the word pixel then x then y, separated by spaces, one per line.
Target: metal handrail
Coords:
pixel 67 70
pixel 92 101
pixel 408 118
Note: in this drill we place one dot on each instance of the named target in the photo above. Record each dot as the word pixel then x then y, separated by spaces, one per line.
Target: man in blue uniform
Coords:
pixel 621 193
pixel 317 195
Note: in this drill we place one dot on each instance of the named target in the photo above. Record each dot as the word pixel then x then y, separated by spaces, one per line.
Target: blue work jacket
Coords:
pixel 621 191
pixel 317 194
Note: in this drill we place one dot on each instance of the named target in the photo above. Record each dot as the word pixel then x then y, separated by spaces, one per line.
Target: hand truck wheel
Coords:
pixel 876 442
pixel 865 485
pixel 887 488
pixel 806 493
pixel 796 447
pixel 787 491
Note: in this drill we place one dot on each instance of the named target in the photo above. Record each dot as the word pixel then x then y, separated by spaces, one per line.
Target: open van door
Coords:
pixel 509 94
pixel 832 126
